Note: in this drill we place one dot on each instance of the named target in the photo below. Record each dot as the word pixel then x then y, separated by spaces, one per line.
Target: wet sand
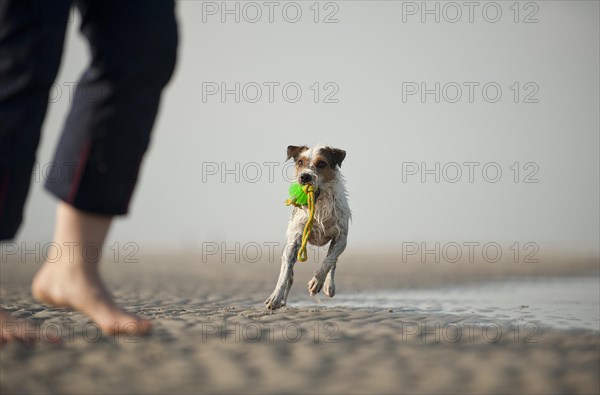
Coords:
pixel 213 335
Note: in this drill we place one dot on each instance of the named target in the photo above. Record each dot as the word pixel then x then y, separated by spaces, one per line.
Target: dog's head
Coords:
pixel 318 165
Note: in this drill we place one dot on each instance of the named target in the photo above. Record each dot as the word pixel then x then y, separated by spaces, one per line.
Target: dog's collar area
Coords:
pixel 305 206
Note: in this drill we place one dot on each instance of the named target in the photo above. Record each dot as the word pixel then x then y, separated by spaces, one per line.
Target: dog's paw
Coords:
pixel 314 286
pixel 275 301
pixel 329 288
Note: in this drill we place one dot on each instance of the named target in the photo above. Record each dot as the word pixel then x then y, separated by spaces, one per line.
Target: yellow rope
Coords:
pixel 310 191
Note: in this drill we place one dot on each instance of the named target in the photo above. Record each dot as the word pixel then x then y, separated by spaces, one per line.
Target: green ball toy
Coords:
pixel 297 195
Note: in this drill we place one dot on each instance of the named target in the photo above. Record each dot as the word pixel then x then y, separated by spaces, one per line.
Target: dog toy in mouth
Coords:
pixel 303 196
pixel 298 196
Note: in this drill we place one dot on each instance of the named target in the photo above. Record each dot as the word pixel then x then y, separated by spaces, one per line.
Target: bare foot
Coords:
pixel 73 280
pixel 16 330
pixel 10 328
pixel 71 285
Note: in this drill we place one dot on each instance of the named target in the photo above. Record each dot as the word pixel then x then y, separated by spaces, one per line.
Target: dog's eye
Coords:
pixel 321 165
pixel 300 162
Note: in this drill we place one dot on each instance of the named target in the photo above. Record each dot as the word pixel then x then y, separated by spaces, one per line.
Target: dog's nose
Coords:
pixel 304 178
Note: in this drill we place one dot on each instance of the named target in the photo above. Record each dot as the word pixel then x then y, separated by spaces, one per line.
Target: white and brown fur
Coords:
pixel 319 166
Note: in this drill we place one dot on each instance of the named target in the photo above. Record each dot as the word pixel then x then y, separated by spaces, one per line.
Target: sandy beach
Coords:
pixel 212 334
pixel 462 137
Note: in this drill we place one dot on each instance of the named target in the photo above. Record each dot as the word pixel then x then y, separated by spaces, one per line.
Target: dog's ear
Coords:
pixel 293 151
pixel 338 155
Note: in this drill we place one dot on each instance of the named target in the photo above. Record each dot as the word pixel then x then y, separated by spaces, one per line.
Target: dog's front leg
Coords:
pixel 329 285
pixel 286 275
pixel 336 248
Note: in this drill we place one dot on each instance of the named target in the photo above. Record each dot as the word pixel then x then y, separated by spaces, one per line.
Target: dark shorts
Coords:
pixel 133 46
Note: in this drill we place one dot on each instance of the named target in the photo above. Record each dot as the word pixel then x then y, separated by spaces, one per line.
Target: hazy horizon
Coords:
pixel 371 62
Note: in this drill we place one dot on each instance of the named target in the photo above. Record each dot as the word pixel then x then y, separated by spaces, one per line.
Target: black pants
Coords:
pixel 133 45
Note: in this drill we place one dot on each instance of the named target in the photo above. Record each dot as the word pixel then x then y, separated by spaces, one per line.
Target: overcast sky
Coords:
pixel 515 97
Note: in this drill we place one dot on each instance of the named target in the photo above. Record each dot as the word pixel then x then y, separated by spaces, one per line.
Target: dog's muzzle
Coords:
pixel 306 178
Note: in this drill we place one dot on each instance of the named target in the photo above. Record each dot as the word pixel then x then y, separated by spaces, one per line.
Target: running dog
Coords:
pixel 320 167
